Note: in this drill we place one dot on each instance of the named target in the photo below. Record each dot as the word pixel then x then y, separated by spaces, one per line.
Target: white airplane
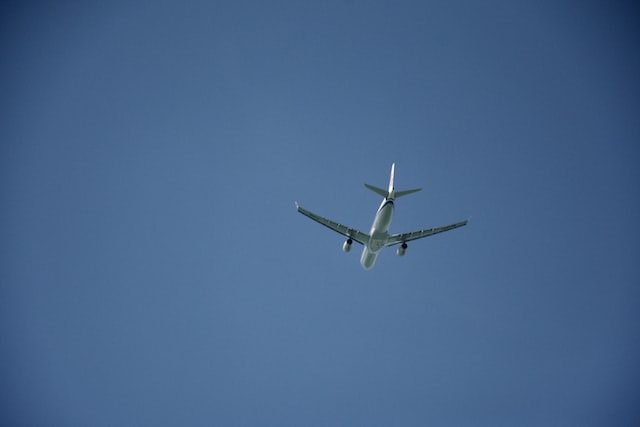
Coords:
pixel 379 238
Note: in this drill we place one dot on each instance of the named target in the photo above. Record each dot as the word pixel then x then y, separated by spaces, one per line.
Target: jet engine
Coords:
pixel 346 246
pixel 402 249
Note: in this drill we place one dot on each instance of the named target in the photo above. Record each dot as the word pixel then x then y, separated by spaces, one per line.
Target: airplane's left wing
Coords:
pixel 349 232
pixel 406 237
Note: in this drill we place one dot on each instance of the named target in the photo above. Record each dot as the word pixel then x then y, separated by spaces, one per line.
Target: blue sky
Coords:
pixel 154 270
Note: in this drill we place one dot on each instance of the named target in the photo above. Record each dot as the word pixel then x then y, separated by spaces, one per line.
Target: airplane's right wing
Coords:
pixel 349 232
pixel 406 237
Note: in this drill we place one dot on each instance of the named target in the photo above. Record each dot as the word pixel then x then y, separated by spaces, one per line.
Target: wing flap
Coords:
pixel 406 237
pixel 349 232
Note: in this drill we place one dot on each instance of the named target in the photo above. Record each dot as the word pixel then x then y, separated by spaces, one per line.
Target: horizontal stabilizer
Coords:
pixel 405 192
pixel 380 191
pixel 386 194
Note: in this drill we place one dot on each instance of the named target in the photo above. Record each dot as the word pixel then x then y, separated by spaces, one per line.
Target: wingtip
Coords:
pixel 297 206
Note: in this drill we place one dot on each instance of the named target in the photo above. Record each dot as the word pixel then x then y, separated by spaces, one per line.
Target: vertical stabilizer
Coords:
pixel 393 168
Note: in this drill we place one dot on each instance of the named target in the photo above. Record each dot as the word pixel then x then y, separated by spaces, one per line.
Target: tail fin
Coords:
pixel 393 169
pixel 391 193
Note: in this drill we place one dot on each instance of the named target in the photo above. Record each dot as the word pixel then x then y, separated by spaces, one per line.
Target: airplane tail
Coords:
pixel 407 192
pixel 391 193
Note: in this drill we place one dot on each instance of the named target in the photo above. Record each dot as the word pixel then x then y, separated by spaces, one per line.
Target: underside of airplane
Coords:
pixel 378 237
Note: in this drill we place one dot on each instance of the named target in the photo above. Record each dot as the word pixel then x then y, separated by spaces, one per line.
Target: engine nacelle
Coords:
pixel 402 249
pixel 346 246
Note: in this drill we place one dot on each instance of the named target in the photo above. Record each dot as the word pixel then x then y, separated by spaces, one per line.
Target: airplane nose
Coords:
pixel 368 259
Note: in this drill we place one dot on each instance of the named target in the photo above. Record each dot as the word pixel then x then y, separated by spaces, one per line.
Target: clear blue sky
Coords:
pixel 154 271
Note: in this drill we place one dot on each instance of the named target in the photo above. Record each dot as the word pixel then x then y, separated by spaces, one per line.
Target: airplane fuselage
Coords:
pixel 379 234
